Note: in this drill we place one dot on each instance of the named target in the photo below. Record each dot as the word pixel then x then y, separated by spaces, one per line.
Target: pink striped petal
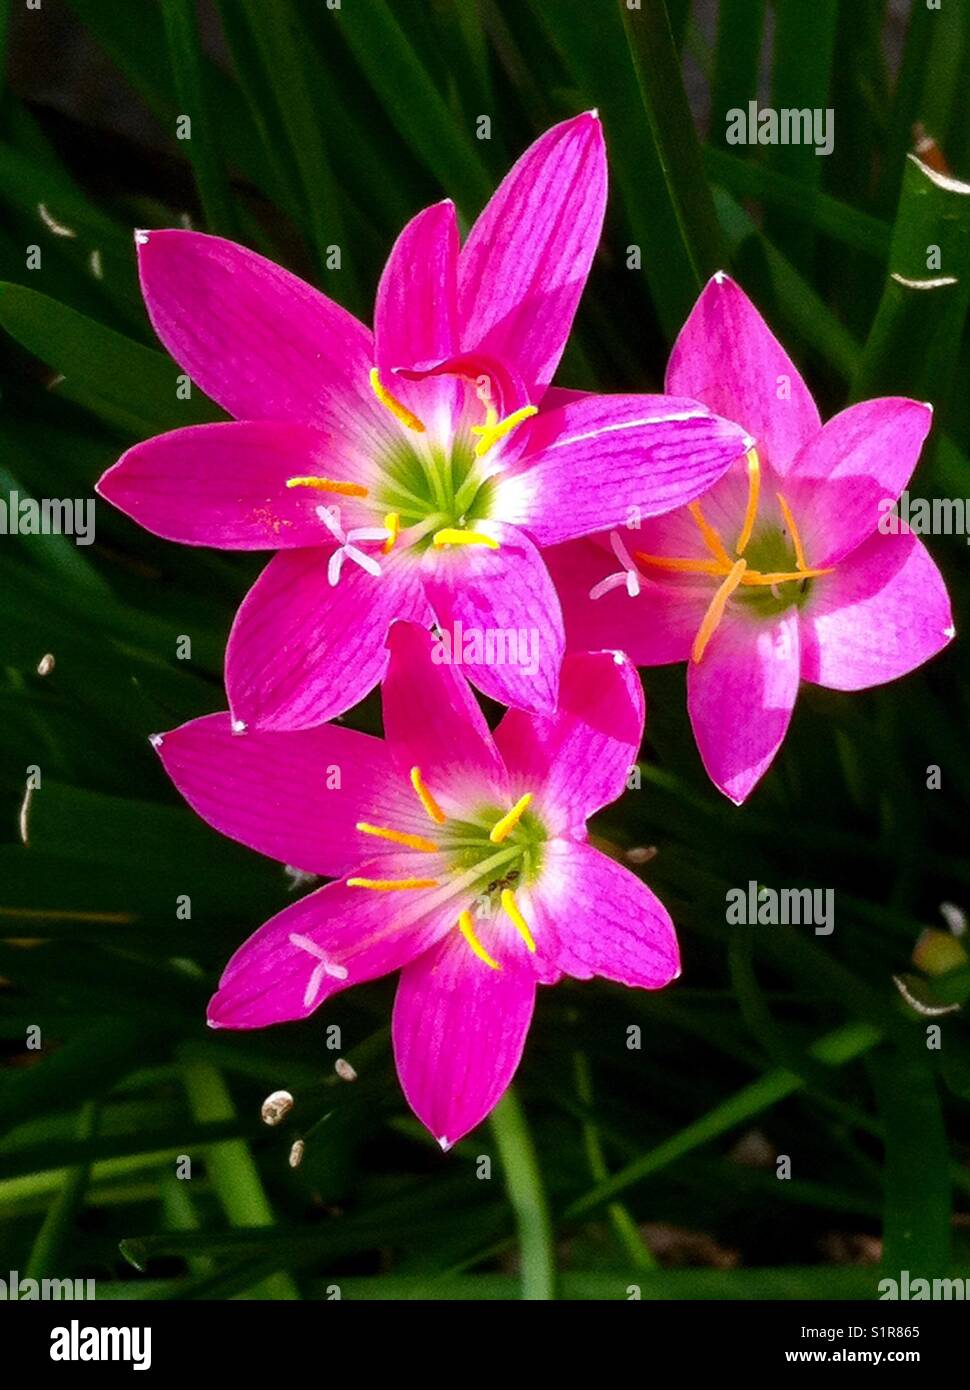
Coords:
pixel 861 458
pixel 432 721
pixel 224 485
pixel 579 758
pixel 415 314
pixel 728 357
pixel 302 651
pixel 296 797
pixel 654 628
pixel 605 461
pixel 501 615
pixel 740 697
pixel 883 612
pixel 458 1029
pixel 591 916
pixel 334 938
pixel 261 342
pixel 524 265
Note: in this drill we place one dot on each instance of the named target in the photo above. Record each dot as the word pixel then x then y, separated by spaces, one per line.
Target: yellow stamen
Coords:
pixel 796 538
pixel 754 492
pixel 329 485
pixel 467 930
pixel 670 562
pixel 510 820
pixel 494 430
pixel 426 799
pixel 757 577
pixel 521 925
pixel 393 523
pixel 392 885
pixel 399 411
pixel 711 538
pixel 399 837
pixel 715 612
pixel 451 536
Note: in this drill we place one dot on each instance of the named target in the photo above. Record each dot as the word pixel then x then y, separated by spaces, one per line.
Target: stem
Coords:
pixel 524 1184
pixel 624 1226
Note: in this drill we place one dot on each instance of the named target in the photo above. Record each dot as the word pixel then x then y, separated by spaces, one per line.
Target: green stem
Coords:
pixel 46 1249
pixel 624 1226
pixel 232 1170
pixel 527 1194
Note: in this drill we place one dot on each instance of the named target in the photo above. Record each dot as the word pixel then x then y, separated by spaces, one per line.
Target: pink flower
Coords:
pixel 404 474
pixel 782 572
pixel 461 858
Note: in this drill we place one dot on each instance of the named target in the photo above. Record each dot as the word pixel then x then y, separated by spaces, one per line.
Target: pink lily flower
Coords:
pixel 460 856
pixel 413 472
pixel 782 572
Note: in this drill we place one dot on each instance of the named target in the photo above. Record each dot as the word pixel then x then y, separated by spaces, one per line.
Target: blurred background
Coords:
pixel 654 1152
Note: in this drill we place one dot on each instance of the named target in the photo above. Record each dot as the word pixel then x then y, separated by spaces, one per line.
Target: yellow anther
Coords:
pixel 399 837
pixel 785 577
pixel 329 485
pixel 467 929
pixel 754 493
pixel 715 612
pixel 711 538
pixel 399 411
pixel 670 562
pixel 521 925
pixel 392 885
pixel 451 536
pixel 426 799
pixel 393 523
pixel 510 820
pixel 796 538
pixel 493 430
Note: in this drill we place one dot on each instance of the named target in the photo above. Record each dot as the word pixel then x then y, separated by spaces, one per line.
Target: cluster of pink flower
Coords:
pixel 428 474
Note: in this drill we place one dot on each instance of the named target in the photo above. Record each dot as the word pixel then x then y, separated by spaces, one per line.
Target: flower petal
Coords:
pixel 344 936
pixel 654 628
pixel 740 697
pixel 601 460
pixel 862 457
pixel 591 916
pixel 500 617
pixel 261 342
pixel 728 357
pixel 883 612
pixel 302 651
pixel 524 265
pixel 415 314
pixel 225 484
pixel 458 1029
pixel 297 796
pixel 579 758
pixel 432 721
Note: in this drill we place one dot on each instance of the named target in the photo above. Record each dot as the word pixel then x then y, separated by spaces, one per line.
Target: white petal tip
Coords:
pixel 445 1144
pixel 239 726
pixel 619 658
pixel 594 111
pixel 156 740
pixel 719 277
pixel 749 442
pixel 141 236
pixel 949 633
pixel 929 406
